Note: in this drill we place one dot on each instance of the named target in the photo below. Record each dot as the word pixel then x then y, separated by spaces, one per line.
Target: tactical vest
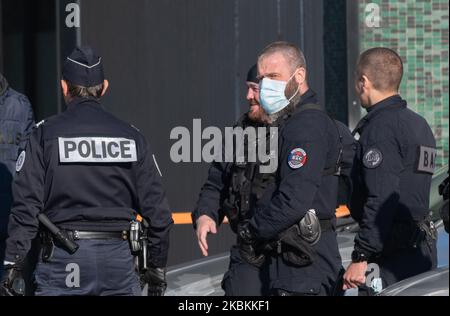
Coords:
pixel 246 185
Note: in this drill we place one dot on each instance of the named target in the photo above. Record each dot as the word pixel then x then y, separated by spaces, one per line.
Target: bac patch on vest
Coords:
pixel 297 158
pixel 372 158
pixel 96 150
pixel 20 161
pixel 426 159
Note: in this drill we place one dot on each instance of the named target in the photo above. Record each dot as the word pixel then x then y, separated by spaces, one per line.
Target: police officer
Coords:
pixel 216 198
pixel 297 220
pixel 17 121
pixel 395 164
pixel 89 173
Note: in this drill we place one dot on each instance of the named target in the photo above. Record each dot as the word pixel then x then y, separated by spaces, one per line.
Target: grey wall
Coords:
pixel 354 108
pixel 170 61
pixel 28 51
pixel 174 60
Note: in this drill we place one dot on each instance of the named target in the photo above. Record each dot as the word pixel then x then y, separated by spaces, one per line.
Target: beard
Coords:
pixel 257 113
pixel 292 88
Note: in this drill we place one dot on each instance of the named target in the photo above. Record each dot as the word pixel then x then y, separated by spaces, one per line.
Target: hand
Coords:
pixel 355 275
pixel 205 226
pixel 12 282
pixel 155 278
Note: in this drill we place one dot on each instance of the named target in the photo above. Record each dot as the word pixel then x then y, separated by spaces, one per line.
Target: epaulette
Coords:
pixel 40 124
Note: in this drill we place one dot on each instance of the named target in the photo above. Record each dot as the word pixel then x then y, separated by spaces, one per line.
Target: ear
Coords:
pixel 365 82
pixel 64 87
pixel 300 75
pixel 105 86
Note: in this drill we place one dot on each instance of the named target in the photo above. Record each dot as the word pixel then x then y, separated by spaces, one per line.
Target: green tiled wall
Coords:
pixel 418 31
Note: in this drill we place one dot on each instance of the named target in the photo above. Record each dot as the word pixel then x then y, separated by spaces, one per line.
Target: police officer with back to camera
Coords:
pixel 294 226
pixel 393 171
pixel 224 194
pixel 17 122
pixel 90 175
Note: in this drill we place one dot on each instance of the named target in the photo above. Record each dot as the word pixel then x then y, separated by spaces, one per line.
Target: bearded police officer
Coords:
pixel 17 121
pixel 91 175
pixel 395 164
pixel 295 226
pixel 221 196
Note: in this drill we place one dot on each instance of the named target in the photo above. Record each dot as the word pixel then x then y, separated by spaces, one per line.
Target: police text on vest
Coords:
pixel 96 150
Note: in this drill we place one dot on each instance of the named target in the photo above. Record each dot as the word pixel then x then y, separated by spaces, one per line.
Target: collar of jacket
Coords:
pixel 83 101
pixel 393 102
pixel 309 97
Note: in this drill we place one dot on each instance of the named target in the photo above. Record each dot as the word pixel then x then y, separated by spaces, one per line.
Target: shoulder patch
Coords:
pixel 20 161
pixel 372 158
pixel 297 158
pixel 426 159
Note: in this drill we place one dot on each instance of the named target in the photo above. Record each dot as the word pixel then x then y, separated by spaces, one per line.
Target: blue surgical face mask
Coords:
pixel 272 95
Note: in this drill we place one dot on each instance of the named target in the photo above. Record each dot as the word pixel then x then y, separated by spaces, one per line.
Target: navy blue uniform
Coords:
pixel 16 123
pixel 242 278
pixel 88 171
pixel 308 144
pixel 392 180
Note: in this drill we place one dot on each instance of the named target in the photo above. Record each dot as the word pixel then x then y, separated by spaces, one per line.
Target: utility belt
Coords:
pixel 408 235
pixel 295 245
pixel 52 237
pixel 49 242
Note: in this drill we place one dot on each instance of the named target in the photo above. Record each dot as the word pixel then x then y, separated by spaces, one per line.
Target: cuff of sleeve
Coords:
pixel 367 253
pixel 196 215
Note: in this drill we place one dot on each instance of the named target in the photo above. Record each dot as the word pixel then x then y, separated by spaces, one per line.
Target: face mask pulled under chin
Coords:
pixel 272 95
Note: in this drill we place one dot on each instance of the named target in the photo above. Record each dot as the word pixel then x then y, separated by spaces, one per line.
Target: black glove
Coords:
pixel 12 283
pixel 249 249
pixel 156 280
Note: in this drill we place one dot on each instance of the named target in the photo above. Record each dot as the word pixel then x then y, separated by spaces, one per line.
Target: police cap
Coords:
pixel 83 68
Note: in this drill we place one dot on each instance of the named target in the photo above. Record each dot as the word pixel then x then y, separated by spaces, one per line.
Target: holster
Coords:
pixel 252 253
pixel 48 246
pixel 296 246
pixel 410 235
pixel 295 250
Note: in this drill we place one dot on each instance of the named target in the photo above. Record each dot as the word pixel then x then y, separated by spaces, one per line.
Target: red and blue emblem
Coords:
pixel 297 158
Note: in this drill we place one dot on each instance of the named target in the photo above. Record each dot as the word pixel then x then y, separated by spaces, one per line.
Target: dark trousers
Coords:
pixel 243 279
pixel 408 263
pixel 98 268
pixel 321 278
pixel 405 263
